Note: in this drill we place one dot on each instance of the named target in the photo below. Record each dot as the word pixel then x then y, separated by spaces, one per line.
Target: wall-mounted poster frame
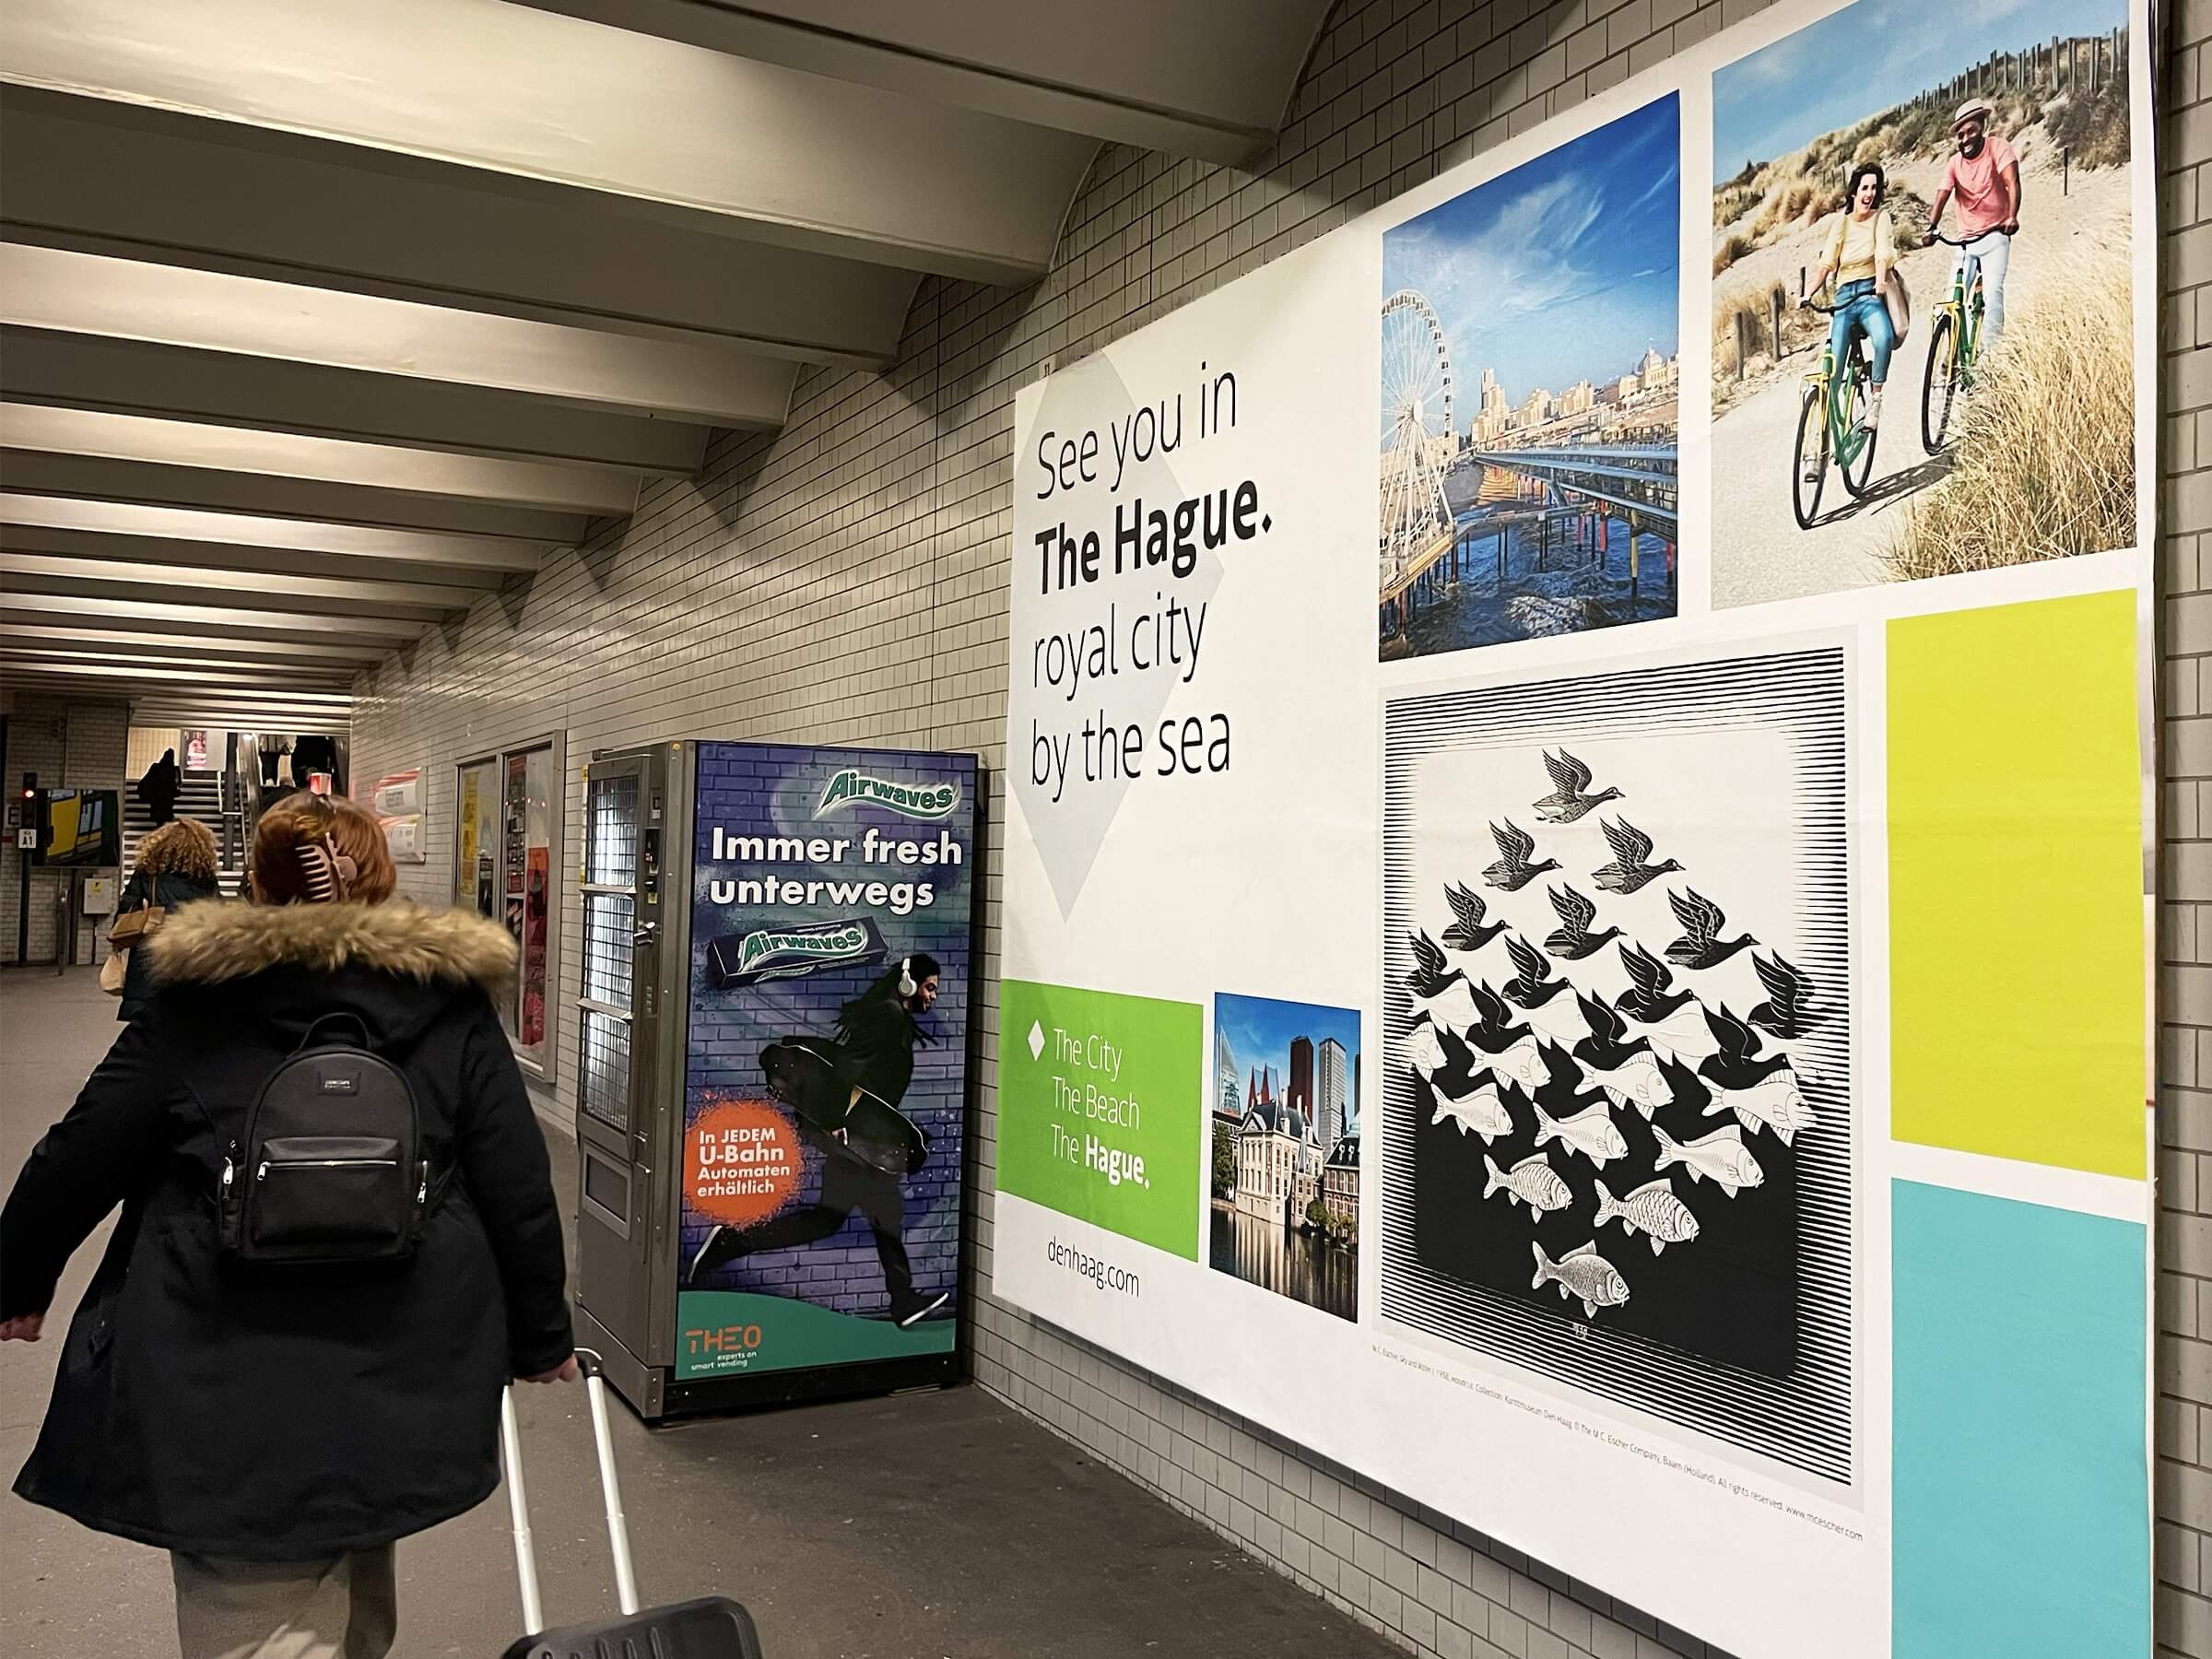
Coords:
pixel 396 798
pixel 510 803
pixel 1554 1019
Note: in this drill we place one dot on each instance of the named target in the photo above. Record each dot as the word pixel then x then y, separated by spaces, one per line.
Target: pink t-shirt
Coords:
pixel 1984 200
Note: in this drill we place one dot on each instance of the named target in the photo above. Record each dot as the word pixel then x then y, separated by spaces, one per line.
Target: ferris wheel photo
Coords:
pixel 1527 387
pixel 1417 430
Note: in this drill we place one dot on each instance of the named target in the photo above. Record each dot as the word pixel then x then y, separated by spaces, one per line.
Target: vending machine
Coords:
pixel 775 1055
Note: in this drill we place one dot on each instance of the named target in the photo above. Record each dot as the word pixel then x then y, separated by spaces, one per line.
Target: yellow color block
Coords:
pixel 2016 884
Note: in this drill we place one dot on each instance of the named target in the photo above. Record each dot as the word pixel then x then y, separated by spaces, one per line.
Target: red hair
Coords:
pixel 301 838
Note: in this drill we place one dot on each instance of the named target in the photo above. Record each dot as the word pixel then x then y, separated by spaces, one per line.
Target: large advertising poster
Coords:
pixel 825 1088
pixel 1629 1024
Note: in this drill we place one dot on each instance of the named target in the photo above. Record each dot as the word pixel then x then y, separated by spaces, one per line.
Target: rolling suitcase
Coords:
pixel 711 1628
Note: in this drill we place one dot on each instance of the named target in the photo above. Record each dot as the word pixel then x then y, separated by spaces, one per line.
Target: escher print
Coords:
pixel 1617 1105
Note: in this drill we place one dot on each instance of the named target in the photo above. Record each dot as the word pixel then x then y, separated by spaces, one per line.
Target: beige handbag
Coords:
pixel 134 926
pixel 1896 296
pixel 113 971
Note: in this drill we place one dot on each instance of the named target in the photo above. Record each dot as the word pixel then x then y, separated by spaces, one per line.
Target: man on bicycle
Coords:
pixel 1983 176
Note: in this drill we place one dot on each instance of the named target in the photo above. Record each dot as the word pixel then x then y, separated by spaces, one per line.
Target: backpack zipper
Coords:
pixel 325 1163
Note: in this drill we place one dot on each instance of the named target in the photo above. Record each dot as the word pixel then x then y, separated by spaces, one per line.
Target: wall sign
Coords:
pixel 1563 985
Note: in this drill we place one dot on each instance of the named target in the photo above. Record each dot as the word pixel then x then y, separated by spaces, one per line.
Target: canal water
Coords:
pixel 1298 1265
pixel 1577 589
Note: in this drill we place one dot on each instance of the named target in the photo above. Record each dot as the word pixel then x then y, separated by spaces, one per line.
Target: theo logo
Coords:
pixel 909 800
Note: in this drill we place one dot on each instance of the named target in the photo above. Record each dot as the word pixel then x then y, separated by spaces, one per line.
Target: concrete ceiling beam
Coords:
pixel 676 134
pixel 1210 81
pixel 133 377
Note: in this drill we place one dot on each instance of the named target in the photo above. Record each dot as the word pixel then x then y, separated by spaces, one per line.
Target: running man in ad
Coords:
pixel 845 1095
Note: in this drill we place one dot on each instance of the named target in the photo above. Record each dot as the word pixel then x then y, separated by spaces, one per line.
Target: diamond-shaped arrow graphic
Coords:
pixel 1036 1040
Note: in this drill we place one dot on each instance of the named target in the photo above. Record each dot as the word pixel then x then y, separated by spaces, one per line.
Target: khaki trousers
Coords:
pixel 343 1609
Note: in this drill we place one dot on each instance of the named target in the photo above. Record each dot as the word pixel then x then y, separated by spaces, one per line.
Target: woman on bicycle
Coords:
pixel 1860 252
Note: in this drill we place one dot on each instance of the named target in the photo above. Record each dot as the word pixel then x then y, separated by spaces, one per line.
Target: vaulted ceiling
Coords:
pixel 319 321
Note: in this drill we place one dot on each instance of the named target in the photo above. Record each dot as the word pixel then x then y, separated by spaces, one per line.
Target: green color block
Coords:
pixel 1099 1109
pixel 2015 883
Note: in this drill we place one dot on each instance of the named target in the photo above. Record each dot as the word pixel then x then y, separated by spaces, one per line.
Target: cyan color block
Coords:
pixel 2022 1519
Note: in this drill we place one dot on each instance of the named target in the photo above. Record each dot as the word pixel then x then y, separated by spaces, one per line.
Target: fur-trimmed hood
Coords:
pixel 208 944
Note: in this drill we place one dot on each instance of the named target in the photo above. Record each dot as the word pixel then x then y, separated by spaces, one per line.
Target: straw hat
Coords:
pixel 1972 110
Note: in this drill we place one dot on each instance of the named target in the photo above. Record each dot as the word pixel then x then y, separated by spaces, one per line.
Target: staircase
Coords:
pixel 199 796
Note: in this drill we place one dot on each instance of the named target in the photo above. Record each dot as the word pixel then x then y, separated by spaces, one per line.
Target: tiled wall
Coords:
pixel 846 581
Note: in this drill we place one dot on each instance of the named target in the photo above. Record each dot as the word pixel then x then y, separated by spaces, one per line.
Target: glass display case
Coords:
pixel 507 808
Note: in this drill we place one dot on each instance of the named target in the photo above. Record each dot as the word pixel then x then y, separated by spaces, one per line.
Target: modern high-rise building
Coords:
pixel 1302 1077
pixel 1331 1085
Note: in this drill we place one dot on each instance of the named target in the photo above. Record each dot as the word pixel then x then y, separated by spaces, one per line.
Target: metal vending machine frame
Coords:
pixel 634 1006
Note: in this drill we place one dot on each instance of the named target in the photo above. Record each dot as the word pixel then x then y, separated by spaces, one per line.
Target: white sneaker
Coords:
pixel 1874 409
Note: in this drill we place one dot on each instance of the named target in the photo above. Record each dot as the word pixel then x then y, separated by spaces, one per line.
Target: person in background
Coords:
pixel 176 865
pixel 159 788
pixel 276 1428
pixel 1983 177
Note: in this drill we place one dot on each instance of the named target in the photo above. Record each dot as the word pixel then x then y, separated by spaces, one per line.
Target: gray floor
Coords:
pixel 935 1525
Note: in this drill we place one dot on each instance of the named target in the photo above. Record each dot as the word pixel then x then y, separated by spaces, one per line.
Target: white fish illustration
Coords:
pixel 1562 1019
pixel 1533 1180
pixel 1774 1103
pixel 1581 1272
pixel 1522 1061
pixel 1637 1082
pixel 1425 1051
pixel 1721 1156
pixel 1480 1109
pixel 1453 1006
pixel 1684 1039
pixel 1652 1209
pixel 1590 1133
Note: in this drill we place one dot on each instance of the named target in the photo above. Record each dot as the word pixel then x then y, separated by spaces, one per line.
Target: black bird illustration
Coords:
pixel 1737 1065
pixel 1649 1000
pixel 1786 1012
pixel 1514 870
pixel 1468 932
pixel 1531 986
pixel 1701 944
pixel 1631 867
pixel 1608 1047
pixel 1431 973
pixel 1494 1028
pixel 1571 781
pixel 1436 982
pixel 1572 939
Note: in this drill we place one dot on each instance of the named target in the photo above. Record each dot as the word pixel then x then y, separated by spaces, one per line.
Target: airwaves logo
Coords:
pixel 825 945
pixel 909 800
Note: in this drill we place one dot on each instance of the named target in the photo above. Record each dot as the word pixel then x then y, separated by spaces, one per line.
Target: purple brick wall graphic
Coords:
pixel 757 794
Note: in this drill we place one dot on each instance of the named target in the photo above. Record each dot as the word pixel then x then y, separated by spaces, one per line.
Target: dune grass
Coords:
pixel 2044 444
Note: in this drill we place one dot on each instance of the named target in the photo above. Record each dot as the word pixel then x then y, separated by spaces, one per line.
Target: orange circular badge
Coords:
pixel 742 1161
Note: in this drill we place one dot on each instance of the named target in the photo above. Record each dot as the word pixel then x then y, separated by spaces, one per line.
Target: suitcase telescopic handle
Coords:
pixel 610 1488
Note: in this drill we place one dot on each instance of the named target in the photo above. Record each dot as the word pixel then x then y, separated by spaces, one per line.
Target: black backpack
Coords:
pixel 330 1166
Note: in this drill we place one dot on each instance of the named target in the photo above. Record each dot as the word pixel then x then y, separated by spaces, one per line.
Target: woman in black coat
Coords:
pixel 159 786
pixel 278 1428
pixel 176 865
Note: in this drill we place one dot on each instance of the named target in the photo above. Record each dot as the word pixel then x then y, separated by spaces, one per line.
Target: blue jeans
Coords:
pixel 1859 309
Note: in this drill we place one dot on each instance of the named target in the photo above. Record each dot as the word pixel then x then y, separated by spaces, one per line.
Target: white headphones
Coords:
pixel 906 978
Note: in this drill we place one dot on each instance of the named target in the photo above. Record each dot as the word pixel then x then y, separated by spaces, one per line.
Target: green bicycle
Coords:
pixel 1831 427
pixel 1955 336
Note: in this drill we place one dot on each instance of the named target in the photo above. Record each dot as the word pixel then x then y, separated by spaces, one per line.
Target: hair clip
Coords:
pixel 329 873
